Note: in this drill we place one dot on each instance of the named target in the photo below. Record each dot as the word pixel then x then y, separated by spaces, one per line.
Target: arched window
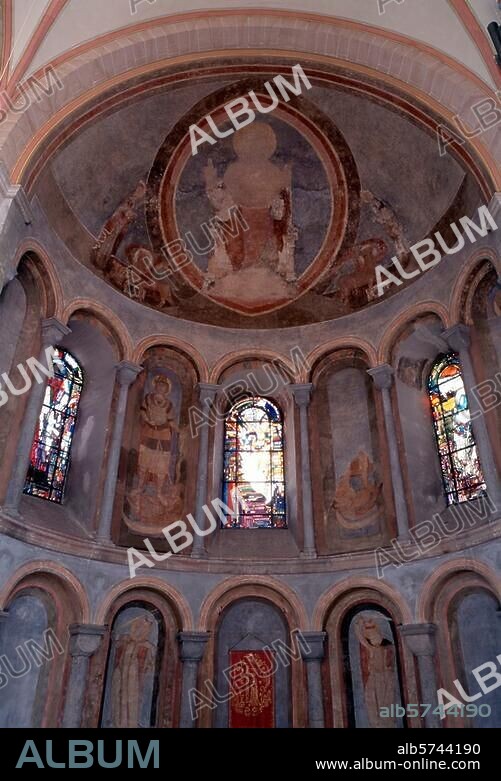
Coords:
pixel 50 451
pixel 254 482
pixel 461 471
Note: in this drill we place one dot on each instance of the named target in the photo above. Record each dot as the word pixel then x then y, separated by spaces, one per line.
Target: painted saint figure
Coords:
pixel 261 257
pixel 134 663
pixel 158 427
pixel 377 662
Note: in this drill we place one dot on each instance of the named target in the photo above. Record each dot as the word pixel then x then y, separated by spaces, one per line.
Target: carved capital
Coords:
pixel 420 638
pixel 312 645
pixel 85 639
pixel 207 391
pixel 458 337
pixel 301 393
pixel 53 330
pixel 127 372
pixel 382 376
pixel 192 645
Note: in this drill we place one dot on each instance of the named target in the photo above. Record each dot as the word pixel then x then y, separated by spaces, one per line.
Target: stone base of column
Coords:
pixel 11 511
pixel 308 553
pixel 199 554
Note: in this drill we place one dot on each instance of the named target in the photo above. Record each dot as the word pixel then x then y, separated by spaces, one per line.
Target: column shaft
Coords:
pixel 84 642
pixel 383 380
pixel 207 394
pixel 302 394
pixel 126 374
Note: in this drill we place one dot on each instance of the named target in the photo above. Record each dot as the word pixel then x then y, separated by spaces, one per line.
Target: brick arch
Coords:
pixel 450 569
pixel 399 323
pixel 145 583
pixel 190 353
pixel 113 326
pixel 348 589
pixel 322 351
pixel 257 354
pixel 40 266
pixel 399 62
pixel 253 585
pixel 45 574
pixel 462 292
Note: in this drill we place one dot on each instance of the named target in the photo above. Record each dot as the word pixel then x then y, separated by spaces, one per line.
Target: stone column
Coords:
pixel 458 339
pixel 313 660
pixel 302 396
pixel 126 373
pixel 52 332
pixel 383 380
pixel 494 324
pixel 420 639
pixel 85 639
pixel 207 394
pixel 192 648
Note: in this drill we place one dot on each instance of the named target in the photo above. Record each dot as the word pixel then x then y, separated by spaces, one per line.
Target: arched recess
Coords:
pixel 135 676
pixel 258 374
pixel 410 346
pixel 32 296
pixel 476 301
pixel 462 598
pixel 184 348
pixel 347 612
pixel 284 602
pixel 42 600
pixel 315 357
pixel 352 494
pixel 94 343
pixel 157 474
pixel 248 360
pixel 106 321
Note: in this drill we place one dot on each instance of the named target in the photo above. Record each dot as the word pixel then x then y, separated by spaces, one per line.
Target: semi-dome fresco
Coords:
pixel 250 381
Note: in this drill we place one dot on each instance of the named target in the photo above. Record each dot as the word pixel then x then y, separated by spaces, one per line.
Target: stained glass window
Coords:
pixel 50 451
pixel 254 482
pixel 461 471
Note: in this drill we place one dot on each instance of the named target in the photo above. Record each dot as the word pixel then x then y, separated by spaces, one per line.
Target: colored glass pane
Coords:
pixel 50 451
pixel 461 471
pixel 254 481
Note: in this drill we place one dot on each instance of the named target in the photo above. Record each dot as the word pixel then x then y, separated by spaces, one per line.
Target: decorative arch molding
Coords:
pixel 330 614
pixel 39 260
pixel 160 340
pixel 325 349
pixel 350 591
pixel 40 574
pixel 239 356
pixel 434 584
pixel 114 327
pixel 403 319
pixel 242 586
pixel 144 583
pixel 401 63
pixel 464 287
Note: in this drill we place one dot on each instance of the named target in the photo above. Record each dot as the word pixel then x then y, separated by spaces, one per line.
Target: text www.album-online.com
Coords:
pixel 416 763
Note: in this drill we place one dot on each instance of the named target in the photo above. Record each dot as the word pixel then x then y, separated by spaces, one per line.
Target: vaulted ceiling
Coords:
pixel 37 32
